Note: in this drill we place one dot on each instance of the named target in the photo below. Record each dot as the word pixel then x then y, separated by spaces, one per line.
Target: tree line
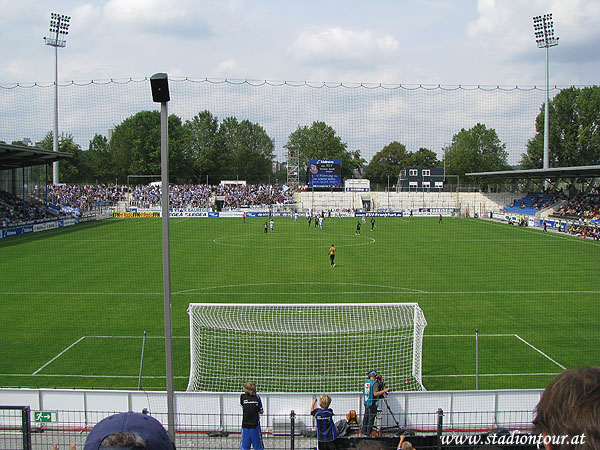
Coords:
pixel 204 149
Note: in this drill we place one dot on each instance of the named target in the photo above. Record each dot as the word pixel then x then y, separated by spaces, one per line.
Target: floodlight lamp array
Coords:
pixel 59 24
pixel 543 27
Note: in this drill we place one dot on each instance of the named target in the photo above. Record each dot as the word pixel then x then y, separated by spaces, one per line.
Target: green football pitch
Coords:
pixel 76 301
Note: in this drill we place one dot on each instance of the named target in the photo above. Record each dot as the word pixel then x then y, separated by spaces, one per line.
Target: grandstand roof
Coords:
pixel 17 156
pixel 553 172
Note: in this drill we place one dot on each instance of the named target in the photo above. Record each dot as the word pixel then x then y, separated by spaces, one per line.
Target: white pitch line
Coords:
pixel 539 351
pixel 85 376
pixel 491 375
pixel 467 335
pixel 60 354
pixel 137 337
pixel 404 291
pixel 329 293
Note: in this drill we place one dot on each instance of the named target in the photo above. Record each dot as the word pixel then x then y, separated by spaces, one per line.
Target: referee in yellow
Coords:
pixel 332 255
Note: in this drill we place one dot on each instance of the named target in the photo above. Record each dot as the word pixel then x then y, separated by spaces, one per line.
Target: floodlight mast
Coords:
pixel 59 28
pixel 543 27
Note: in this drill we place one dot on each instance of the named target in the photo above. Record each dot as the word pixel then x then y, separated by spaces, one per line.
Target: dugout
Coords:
pixel 25 171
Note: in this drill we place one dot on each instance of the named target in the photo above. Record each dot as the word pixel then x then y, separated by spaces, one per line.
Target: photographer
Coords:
pixel 372 390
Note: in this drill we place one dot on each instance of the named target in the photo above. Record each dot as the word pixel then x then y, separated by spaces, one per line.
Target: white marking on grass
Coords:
pixel 264 243
pixel 491 375
pixel 136 337
pixel 207 288
pixel 59 355
pixel 467 335
pixel 539 351
pixel 399 291
pixel 84 376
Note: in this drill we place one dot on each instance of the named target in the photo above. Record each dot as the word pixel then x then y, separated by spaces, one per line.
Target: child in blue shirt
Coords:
pixel 326 430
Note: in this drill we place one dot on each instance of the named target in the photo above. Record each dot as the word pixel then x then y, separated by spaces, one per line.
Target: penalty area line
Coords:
pixel 540 352
pixel 59 355
pixel 492 375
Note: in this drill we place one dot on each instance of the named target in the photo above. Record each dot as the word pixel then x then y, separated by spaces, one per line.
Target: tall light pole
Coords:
pixel 59 28
pixel 159 83
pixel 543 27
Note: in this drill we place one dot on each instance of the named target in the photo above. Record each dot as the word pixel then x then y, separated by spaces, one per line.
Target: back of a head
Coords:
pixel 250 388
pixel 570 406
pixel 407 446
pixel 124 439
pixel 324 401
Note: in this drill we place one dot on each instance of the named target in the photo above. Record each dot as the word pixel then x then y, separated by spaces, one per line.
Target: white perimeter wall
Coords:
pixel 502 408
pixel 398 201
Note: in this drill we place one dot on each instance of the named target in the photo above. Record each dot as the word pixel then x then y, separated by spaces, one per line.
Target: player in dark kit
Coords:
pixel 372 223
pixel 252 409
pixel 357 228
pixel 332 255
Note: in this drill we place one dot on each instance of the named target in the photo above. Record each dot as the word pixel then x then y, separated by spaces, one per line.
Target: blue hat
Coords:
pixel 373 374
pixel 146 426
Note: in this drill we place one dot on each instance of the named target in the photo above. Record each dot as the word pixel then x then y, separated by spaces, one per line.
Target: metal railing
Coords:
pixel 23 429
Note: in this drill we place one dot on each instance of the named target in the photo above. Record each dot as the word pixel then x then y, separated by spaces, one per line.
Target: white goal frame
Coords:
pixel 305 347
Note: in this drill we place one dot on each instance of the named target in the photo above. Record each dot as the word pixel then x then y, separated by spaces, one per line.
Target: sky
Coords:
pixel 459 42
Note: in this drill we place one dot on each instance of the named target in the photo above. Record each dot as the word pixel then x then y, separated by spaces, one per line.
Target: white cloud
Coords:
pixel 228 69
pixel 184 18
pixel 146 11
pixel 506 26
pixel 337 45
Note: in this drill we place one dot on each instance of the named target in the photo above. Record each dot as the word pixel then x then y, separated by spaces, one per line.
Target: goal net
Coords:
pixel 304 347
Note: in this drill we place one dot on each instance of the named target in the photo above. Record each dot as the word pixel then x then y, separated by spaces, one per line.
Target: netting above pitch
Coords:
pixel 367 117
pixel 304 347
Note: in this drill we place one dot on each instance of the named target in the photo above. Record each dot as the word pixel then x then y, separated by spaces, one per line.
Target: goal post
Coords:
pixel 310 347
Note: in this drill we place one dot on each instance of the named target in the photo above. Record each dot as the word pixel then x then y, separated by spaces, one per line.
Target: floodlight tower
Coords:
pixel 59 28
pixel 543 27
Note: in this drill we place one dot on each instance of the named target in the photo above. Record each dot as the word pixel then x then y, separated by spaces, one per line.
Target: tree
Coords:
pixel 252 153
pixel 424 158
pixel 98 159
pixel 476 150
pixel 73 170
pixel 204 147
pixel 231 150
pixel 135 146
pixel 388 162
pixel 574 132
pixel 319 141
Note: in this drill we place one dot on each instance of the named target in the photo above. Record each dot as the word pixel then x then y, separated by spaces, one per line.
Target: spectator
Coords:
pixel 404 445
pixel 252 409
pixel 326 430
pixel 372 389
pixel 129 430
pixel 568 414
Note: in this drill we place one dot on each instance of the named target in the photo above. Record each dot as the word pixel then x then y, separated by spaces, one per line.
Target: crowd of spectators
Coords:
pixel 87 196
pixel 200 195
pixel 261 195
pixel 180 196
pixel 14 210
pixel 583 207
pixel 585 230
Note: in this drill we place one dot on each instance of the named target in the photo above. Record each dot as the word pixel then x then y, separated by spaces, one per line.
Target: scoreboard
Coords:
pixel 325 173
